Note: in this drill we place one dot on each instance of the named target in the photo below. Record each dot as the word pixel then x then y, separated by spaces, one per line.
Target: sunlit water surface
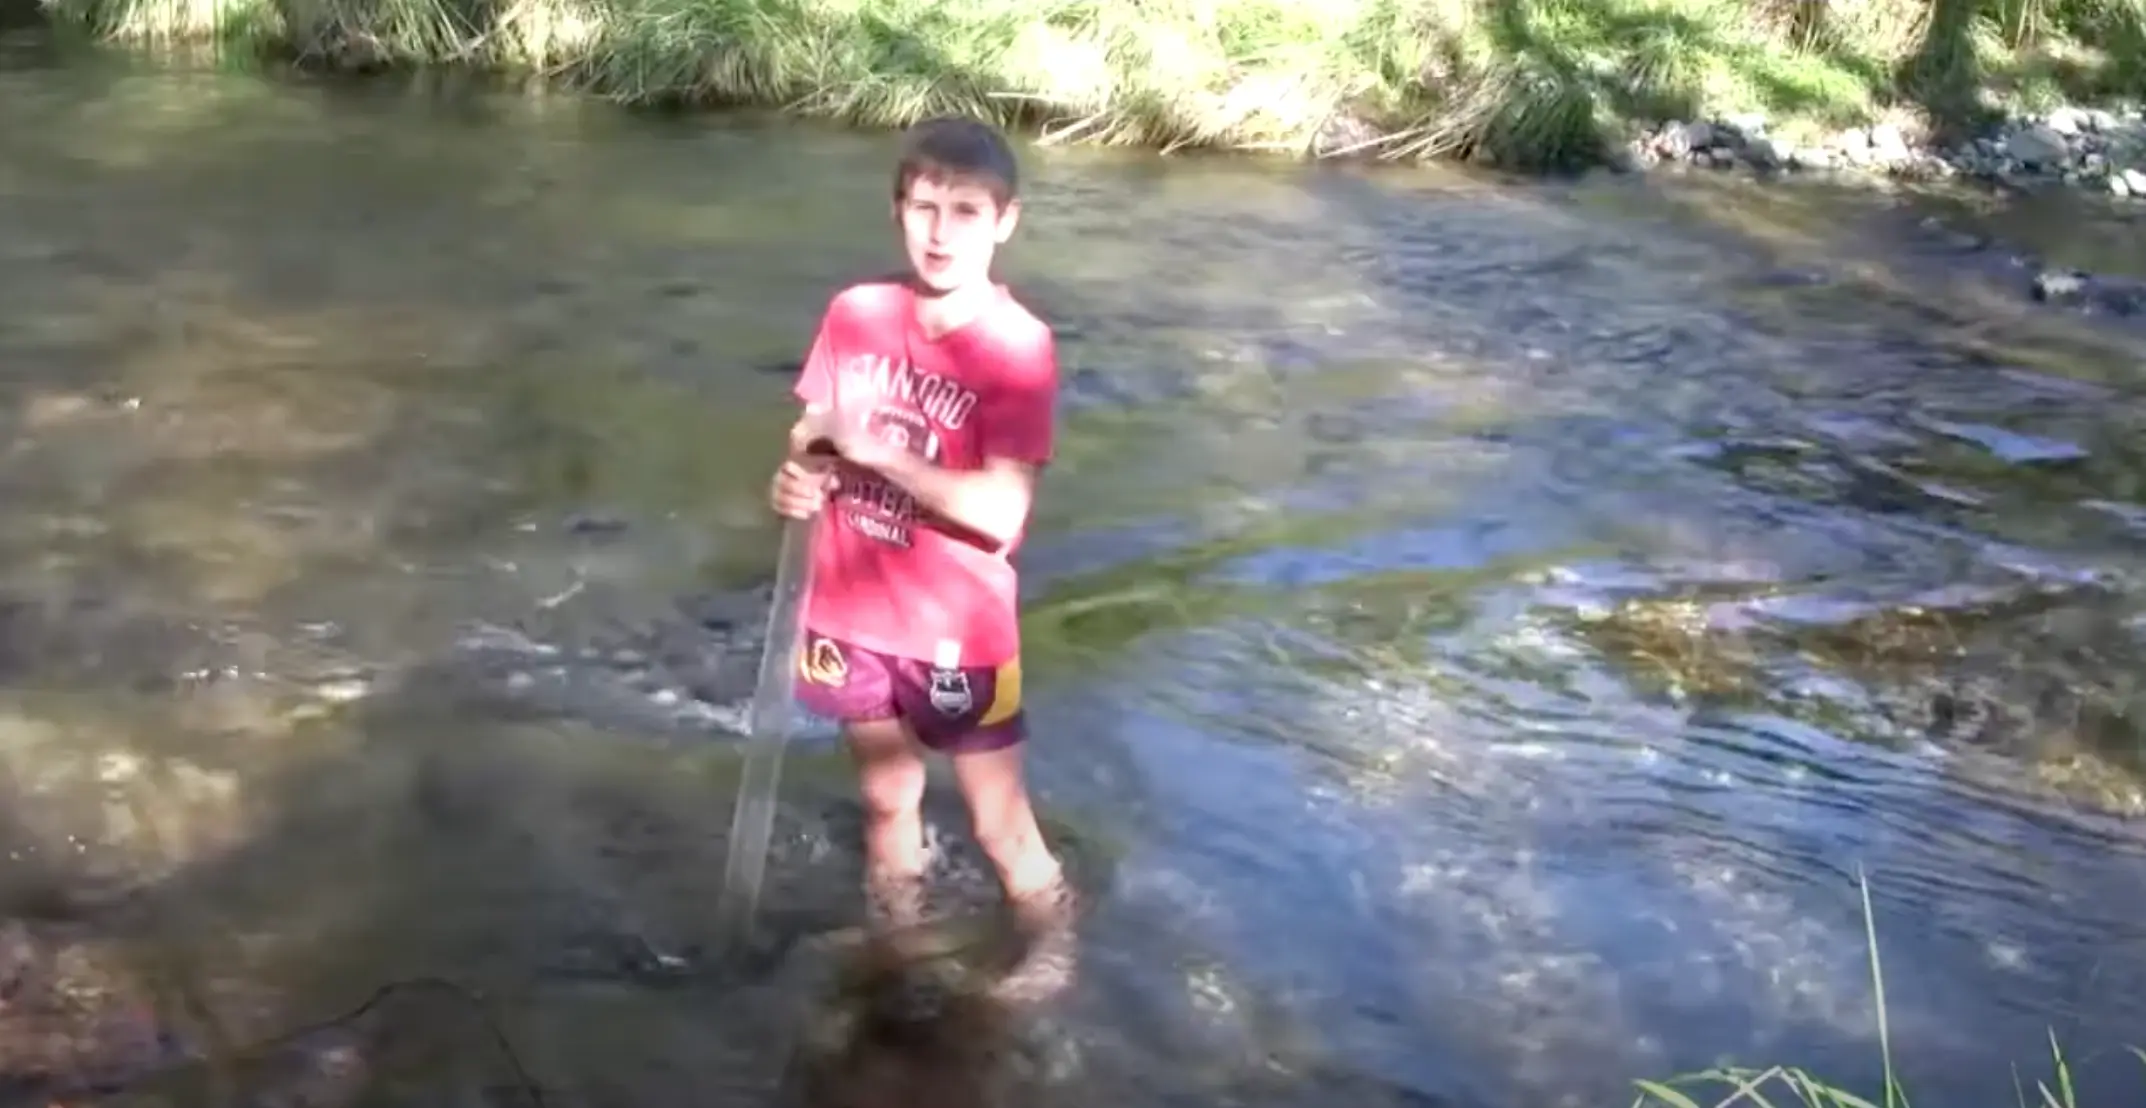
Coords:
pixel 1479 633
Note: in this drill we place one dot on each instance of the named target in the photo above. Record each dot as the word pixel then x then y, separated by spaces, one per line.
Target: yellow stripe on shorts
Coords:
pixel 1005 694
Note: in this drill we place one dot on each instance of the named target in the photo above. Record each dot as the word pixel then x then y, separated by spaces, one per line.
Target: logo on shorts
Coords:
pixel 823 663
pixel 950 692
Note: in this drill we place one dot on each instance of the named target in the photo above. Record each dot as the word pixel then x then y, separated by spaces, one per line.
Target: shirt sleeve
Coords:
pixel 1020 416
pixel 816 380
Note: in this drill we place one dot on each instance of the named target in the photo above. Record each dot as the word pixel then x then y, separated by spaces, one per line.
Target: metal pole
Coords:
pixel 773 713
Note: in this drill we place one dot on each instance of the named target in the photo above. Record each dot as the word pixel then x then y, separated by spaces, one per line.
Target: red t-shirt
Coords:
pixel 882 577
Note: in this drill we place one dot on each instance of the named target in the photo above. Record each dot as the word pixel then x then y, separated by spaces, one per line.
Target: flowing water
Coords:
pixel 1479 632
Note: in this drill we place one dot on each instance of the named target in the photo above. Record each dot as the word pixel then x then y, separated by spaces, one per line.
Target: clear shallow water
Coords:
pixel 1479 631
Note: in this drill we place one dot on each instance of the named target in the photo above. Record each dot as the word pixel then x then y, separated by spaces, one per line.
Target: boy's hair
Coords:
pixel 957 147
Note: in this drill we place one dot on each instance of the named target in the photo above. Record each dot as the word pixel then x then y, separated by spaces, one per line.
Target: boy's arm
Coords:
pixel 815 391
pixel 992 501
pixel 1015 432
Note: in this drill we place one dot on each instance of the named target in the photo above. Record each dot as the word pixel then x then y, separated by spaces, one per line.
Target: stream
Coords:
pixel 1479 634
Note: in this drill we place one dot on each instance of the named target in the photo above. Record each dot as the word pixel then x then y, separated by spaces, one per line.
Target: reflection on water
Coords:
pixel 1480 632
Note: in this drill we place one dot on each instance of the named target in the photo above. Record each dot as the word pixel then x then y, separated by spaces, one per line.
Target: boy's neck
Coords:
pixel 941 313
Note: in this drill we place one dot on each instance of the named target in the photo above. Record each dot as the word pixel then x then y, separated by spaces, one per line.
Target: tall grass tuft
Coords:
pixel 1529 83
pixel 1759 1088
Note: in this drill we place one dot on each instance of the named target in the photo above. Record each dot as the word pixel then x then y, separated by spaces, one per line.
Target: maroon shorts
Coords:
pixel 955 711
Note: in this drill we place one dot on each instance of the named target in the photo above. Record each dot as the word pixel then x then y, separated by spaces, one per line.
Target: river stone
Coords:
pixel 2058 286
pixel 1888 145
pixel 1853 145
pixel 1746 125
pixel 2069 121
pixel 2037 145
pixel 2109 296
pixel 1767 153
pixel 1811 157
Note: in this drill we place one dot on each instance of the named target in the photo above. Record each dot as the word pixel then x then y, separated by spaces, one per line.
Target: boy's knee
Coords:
pixel 892 791
pixel 890 775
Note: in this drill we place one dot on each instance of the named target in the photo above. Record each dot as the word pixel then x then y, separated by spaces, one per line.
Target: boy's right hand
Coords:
pixel 801 487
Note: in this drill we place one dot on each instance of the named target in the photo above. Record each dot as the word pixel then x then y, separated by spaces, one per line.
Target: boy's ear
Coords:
pixel 1009 217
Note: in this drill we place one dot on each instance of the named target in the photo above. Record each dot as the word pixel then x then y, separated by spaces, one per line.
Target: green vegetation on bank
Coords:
pixel 1524 83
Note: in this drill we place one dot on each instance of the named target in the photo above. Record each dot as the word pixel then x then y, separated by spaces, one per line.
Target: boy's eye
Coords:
pixel 961 211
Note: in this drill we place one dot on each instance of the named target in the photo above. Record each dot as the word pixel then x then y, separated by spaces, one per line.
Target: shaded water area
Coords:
pixel 1477 632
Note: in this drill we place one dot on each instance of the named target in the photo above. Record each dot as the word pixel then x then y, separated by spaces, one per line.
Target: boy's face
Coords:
pixel 951 229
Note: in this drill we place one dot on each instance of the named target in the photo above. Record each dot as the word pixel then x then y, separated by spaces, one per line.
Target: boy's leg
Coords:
pixel 842 682
pixel 890 782
pixel 1004 819
pixel 974 716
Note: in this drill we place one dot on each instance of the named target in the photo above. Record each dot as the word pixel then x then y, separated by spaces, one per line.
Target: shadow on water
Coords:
pixel 1479 631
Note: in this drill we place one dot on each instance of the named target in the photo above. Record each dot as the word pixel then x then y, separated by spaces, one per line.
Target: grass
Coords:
pixel 1789 1087
pixel 1522 83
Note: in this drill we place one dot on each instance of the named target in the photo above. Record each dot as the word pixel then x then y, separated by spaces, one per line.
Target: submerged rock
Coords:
pixel 72 1017
pixel 2087 292
pixel 2043 674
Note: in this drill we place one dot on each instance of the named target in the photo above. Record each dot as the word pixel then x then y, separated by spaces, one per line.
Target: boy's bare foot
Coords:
pixel 1050 955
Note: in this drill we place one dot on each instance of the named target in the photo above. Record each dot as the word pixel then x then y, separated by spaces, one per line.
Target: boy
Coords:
pixel 938 392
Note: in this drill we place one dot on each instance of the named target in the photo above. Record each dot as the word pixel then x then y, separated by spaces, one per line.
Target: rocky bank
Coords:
pixel 2093 150
pixel 2099 149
